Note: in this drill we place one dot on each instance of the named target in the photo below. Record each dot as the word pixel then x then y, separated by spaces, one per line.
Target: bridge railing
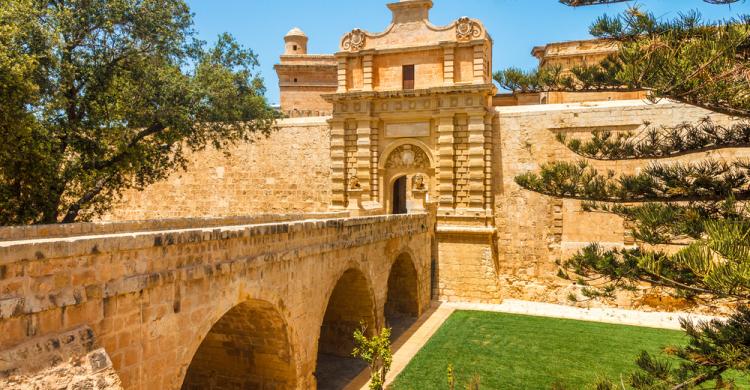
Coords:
pixel 38 274
pixel 16 233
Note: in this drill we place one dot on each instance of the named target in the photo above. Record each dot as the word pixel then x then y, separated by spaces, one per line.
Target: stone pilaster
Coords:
pixel 479 71
pixel 488 140
pixel 341 74
pixel 476 161
pixel 374 160
pixel 364 156
pixel 338 165
pixel 350 151
pixel 448 61
pixel 461 162
pixel 445 164
pixel 367 73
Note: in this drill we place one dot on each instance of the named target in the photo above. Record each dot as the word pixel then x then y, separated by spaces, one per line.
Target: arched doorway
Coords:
pixel 399 196
pixel 402 303
pixel 407 176
pixel 349 304
pixel 247 348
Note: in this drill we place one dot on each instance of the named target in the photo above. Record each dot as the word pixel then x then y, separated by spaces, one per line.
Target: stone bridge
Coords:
pixel 237 303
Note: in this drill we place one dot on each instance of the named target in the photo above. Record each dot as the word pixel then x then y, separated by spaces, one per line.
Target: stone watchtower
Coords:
pixel 295 42
pixel 304 77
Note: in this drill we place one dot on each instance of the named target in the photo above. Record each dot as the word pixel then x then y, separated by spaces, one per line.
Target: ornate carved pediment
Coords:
pixel 354 41
pixel 408 156
pixel 467 29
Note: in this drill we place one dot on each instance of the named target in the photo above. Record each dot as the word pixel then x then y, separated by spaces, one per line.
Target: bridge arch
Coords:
pixel 248 347
pixel 349 302
pixel 402 299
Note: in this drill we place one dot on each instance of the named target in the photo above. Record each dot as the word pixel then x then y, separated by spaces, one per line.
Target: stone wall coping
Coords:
pixel 60 247
pixel 459 229
pixel 304 121
pixel 508 111
pixel 19 233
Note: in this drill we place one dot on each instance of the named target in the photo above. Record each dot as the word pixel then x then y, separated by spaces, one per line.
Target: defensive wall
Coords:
pixel 515 256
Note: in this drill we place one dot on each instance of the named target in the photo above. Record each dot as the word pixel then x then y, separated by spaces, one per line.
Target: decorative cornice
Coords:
pixel 456 88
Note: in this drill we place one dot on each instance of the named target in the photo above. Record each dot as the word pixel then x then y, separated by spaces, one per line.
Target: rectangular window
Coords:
pixel 408 72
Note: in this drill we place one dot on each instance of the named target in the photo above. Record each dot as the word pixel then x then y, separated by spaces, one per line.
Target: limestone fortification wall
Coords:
pixel 286 172
pixel 534 231
pixel 289 172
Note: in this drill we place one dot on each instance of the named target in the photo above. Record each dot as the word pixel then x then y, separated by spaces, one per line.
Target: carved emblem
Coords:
pixel 466 29
pixel 417 183
pixel 407 156
pixel 354 183
pixel 354 41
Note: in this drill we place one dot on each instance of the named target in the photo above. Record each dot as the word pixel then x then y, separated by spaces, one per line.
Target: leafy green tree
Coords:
pixel 376 352
pixel 98 96
pixel 690 220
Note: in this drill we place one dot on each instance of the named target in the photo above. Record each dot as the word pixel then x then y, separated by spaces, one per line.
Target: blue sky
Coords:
pixel 515 25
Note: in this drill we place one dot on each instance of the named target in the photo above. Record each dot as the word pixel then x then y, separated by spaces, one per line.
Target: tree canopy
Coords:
pixel 98 96
pixel 688 59
pixel 580 3
pixel 690 219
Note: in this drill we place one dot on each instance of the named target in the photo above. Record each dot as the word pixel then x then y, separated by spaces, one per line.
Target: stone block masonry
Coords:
pixel 289 171
pixel 162 303
pixel 534 231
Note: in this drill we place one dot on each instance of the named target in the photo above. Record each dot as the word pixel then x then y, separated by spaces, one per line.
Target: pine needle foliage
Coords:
pixel 698 208
pixel 654 142
pixel 704 180
pixel 687 59
pixel 581 3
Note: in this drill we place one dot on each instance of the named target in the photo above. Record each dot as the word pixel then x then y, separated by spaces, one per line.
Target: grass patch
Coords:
pixel 513 351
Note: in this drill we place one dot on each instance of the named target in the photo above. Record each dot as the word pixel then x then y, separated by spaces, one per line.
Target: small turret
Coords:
pixel 295 42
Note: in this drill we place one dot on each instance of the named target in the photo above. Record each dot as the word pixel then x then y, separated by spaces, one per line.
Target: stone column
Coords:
pixel 477 163
pixel 367 72
pixel 364 143
pixel 338 165
pixel 445 165
pixel 448 61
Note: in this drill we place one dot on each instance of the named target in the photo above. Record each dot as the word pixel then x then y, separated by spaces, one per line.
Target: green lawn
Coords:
pixel 522 352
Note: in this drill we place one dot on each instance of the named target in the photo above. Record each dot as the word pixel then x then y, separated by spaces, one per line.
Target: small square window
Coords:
pixel 294 47
pixel 295 79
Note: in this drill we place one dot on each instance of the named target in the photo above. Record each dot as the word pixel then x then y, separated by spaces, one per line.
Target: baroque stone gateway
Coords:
pixel 389 185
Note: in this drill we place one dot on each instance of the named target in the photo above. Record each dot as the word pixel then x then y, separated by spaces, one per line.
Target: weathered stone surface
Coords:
pixel 67 360
pixel 92 371
pixel 243 304
pixel 295 165
pixel 495 240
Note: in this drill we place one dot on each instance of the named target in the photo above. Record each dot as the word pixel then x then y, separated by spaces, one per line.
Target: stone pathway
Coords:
pixel 406 346
pixel 665 320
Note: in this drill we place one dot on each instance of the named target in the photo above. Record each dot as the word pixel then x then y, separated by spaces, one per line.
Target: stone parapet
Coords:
pixel 14 233
pixel 150 297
